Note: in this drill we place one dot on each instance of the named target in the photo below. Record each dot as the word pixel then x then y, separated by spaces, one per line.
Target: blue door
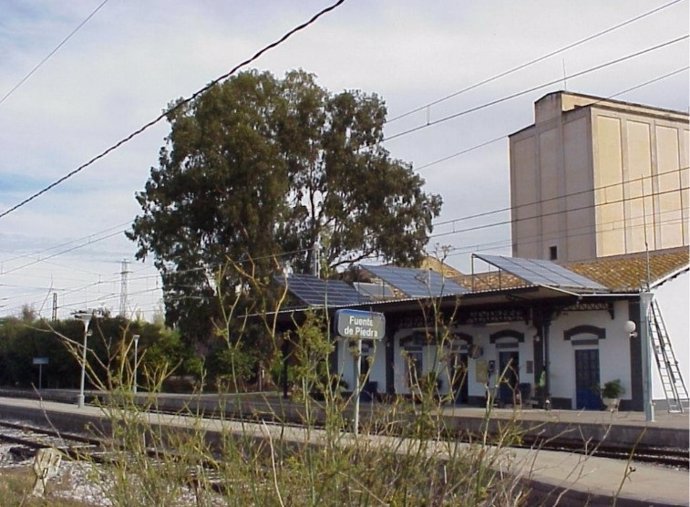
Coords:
pixel 587 379
pixel 509 376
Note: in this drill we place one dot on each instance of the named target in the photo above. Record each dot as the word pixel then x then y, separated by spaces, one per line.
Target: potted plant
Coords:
pixel 610 394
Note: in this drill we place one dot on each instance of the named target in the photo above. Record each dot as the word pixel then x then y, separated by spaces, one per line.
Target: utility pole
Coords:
pixel 55 306
pixel 646 344
pixel 123 289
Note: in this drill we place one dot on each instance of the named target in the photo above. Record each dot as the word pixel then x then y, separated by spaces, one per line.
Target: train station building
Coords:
pixel 597 289
pixel 543 330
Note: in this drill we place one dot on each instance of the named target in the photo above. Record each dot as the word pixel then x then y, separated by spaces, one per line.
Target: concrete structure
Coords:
pixel 595 177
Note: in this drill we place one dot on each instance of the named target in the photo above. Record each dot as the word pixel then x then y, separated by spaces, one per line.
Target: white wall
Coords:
pixel 525 350
pixel 433 357
pixel 614 350
pixel 673 298
pixel 346 364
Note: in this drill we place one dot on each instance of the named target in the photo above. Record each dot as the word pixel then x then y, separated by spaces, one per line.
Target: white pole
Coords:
pixel 358 372
pixel 85 318
pixel 136 361
pixel 646 344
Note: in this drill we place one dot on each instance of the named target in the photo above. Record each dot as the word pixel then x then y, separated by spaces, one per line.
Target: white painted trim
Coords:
pixel 670 276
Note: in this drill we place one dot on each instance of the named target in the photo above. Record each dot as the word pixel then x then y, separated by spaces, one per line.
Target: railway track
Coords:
pixel 664 456
pixel 676 458
pixel 75 445
pixel 28 439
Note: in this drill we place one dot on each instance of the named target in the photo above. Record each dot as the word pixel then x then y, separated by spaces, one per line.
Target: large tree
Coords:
pixel 262 168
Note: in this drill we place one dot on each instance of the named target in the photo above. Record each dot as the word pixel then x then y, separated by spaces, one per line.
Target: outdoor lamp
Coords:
pixel 85 318
pixel 630 328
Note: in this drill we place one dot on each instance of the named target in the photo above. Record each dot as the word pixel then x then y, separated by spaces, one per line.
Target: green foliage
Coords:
pixel 21 340
pixel 194 366
pixel 259 166
pixel 312 349
pixel 109 346
pixel 612 389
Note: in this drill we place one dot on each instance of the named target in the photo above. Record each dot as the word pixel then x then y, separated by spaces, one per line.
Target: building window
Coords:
pixel 553 253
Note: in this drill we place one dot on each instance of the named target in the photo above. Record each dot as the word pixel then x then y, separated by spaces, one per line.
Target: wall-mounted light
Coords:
pixel 630 328
pixel 536 338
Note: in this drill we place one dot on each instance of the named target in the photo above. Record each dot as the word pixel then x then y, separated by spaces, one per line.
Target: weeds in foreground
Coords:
pixel 400 456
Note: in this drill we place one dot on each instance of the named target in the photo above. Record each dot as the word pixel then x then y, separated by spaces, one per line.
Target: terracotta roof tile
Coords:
pixel 629 272
pixel 620 273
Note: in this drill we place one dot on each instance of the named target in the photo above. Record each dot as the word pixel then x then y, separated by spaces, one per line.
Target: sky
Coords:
pixel 132 58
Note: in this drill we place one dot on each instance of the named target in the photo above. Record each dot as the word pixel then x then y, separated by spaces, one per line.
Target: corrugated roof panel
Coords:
pixel 314 291
pixel 541 272
pixel 416 282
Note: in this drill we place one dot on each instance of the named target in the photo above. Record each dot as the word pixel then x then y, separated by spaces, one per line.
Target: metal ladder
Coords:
pixel 671 377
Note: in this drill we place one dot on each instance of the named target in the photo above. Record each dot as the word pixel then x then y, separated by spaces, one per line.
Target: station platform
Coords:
pixel 571 478
pixel 625 429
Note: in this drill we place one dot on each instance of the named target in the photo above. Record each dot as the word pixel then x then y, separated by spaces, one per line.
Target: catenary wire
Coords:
pixel 114 280
pixel 559 197
pixel 66 243
pixel 577 232
pixel 619 183
pixel 177 106
pixel 49 55
pixel 493 140
pixel 91 241
pixel 534 61
pixel 246 62
pixel 454 251
pixel 500 138
pixel 532 89
pixel 491 246
pixel 559 212
pixel 471 229
pixel 443 159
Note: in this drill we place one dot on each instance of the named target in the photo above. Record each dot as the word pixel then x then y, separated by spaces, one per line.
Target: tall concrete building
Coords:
pixel 596 177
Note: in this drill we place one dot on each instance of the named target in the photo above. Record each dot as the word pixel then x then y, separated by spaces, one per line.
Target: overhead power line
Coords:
pixel 558 212
pixel 76 247
pixel 541 202
pixel 534 61
pixel 47 57
pixel 93 237
pixel 532 89
pixel 496 139
pixel 180 104
pixel 568 234
pixel 436 224
pixel 576 232
pixel 86 239
pixel 615 225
